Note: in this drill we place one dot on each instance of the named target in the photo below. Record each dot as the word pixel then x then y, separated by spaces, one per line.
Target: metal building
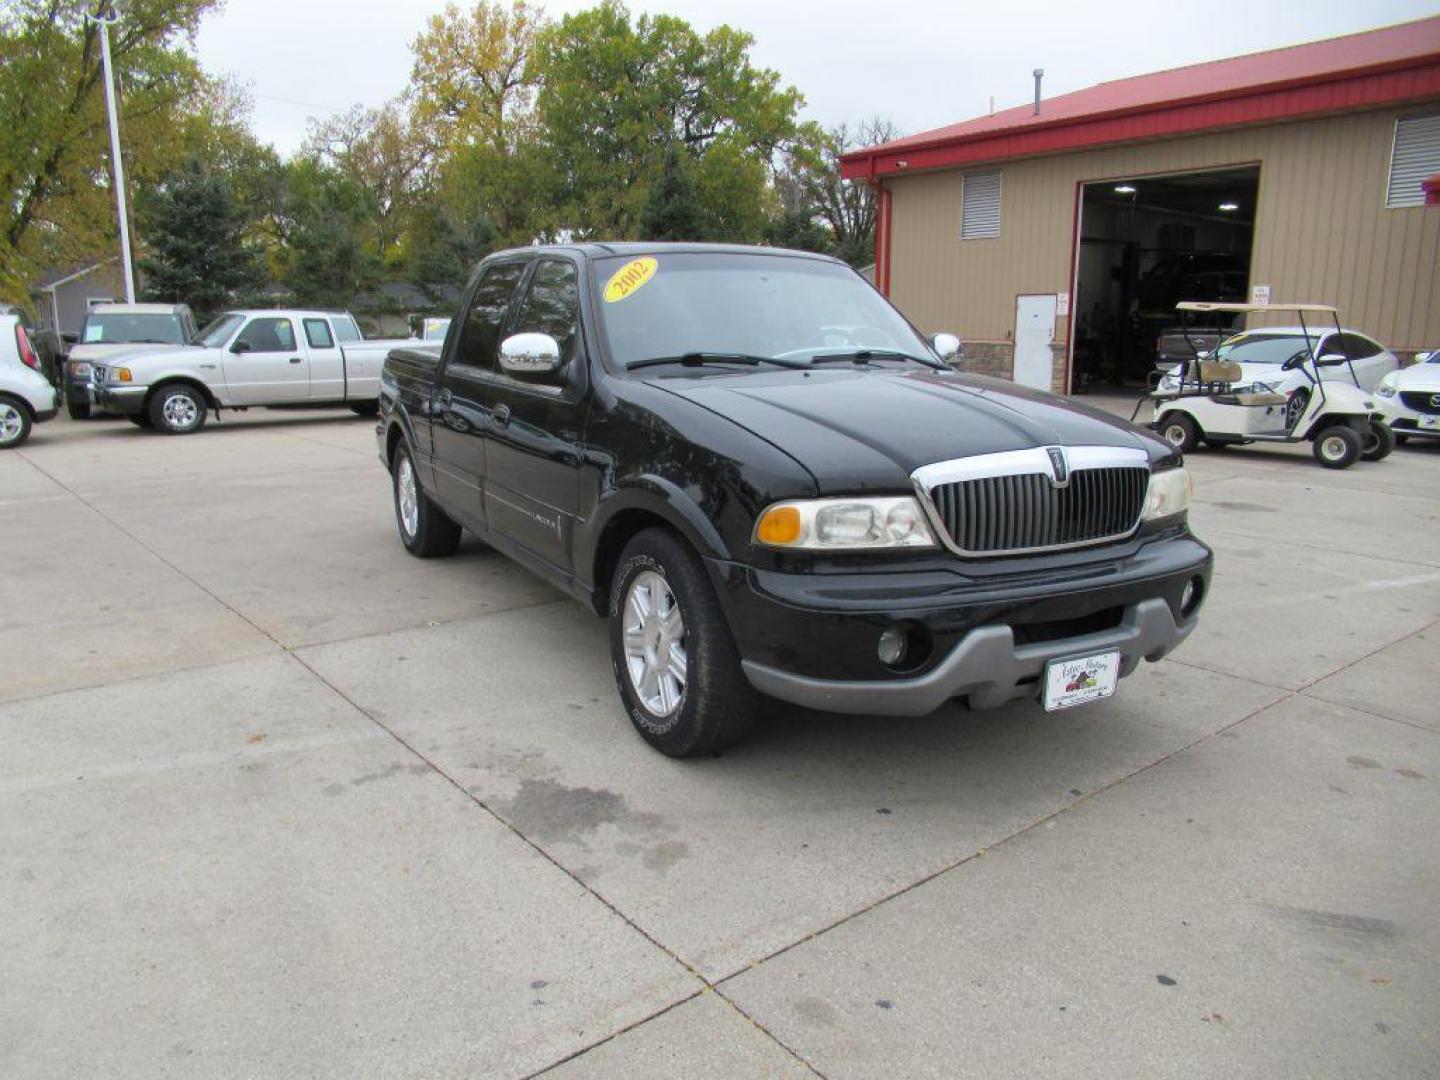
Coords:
pixel 1056 239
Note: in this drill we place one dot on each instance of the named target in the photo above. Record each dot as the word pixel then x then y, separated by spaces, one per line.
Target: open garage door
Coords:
pixel 1146 244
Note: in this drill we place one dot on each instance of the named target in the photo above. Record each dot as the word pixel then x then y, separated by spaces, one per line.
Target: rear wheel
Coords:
pixel 1180 431
pixel 1337 447
pixel 177 409
pixel 77 411
pixel 1377 442
pixel 426 531
pixel 14 423
pixel 675 661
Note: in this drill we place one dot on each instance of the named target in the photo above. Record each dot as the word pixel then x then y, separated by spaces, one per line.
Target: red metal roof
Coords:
pixel 1378 67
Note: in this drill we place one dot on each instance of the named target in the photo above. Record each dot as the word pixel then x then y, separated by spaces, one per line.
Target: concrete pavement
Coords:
pixel 277 799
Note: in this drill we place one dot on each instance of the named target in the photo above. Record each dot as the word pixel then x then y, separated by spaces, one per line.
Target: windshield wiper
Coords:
pixel 695 359
pixel 864 356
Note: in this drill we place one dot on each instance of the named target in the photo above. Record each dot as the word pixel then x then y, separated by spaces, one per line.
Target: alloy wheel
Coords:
pixel 180 412
pixel 655 654
pixel 11 423
pixel 408 496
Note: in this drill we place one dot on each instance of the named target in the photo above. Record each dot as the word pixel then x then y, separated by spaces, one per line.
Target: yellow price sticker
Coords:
pixel 630 279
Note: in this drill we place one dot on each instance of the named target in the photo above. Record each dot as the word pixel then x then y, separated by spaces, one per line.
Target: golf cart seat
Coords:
pixel 1254 398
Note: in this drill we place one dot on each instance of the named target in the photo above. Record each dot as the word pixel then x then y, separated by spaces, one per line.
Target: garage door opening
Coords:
pixel 1145 245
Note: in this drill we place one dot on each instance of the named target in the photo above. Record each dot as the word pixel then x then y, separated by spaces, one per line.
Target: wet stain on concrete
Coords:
pixel 1166 980
pixel 1354 928
pixel 385 774
pixel 1411 774
pixel 549 810
pixel 1357 762
pixel 1243 507
pixel 816 1011
pixel 333 789
pixel 884 1003
pixel 664 855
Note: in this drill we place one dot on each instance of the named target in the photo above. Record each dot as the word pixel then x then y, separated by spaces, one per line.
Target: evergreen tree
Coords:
pixel 672 211
pixel 194 233
pixel 799 230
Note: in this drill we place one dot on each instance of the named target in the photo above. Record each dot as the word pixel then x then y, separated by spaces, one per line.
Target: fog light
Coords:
pixel 1190 598
pixel 892 646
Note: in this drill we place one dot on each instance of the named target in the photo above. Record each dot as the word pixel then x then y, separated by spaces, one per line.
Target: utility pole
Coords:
pixel 104 23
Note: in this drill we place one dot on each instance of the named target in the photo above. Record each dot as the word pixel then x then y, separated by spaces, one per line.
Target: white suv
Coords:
pixel 26 396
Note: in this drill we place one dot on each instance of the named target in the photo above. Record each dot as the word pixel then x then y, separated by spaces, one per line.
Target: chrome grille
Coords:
pixel 1022 502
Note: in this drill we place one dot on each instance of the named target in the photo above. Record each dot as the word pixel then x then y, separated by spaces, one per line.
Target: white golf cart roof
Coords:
pixel 1206 305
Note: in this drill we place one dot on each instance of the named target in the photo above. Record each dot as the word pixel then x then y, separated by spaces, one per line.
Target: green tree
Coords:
pixel 195 236
pixel 811 183
pixel 56 198
pixel 672 211
pixel 325 259
pixel 443 250
pixel 615 92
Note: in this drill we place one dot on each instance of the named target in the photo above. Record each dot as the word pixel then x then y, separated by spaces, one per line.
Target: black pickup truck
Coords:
pixel 773 485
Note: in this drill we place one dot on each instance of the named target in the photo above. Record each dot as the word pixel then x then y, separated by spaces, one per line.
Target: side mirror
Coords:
pixel 1333 360
pixel 530 354
pixel 240 347
pixel 948 346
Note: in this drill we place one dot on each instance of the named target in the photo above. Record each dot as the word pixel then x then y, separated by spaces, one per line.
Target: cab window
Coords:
pixel 480 336
pixel 317 333
pixel 268 335
pixel 552 306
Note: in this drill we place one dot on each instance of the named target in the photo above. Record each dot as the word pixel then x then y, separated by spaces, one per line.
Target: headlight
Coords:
pixel 1169 494
pixel 79 369
pixel 1385 390
pixel 1169 382
pixel 1259 387
pixel 844 525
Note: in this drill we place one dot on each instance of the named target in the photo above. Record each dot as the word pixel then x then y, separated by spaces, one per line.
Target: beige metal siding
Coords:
pixel 1322 230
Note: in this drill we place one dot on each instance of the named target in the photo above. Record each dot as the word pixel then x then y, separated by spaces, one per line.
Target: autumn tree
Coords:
pixel 811 186
pixel 56 192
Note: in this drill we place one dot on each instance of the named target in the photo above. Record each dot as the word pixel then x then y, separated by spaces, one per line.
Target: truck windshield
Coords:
pixel 119 328
pixel 1262 348
pixel 790 308
pixel 219 331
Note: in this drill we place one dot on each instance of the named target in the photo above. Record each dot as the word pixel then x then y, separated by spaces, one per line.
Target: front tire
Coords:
pixel 15 423
pixel 1180 431
pixel 77 411
pixel 675 661
pixel 1377 443
pixel 1337 447
pixel 177 409
pixel 426 531
pixel 366 408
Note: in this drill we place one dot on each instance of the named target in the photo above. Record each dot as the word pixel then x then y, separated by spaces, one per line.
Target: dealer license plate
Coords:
pixel 1431 422
pixel 1080 679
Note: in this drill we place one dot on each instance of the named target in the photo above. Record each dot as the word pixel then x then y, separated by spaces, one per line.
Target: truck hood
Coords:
pixel 863 430
pixel 96 351
pixel 149 359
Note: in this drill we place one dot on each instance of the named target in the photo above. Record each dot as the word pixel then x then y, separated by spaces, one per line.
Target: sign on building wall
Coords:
pixel 1260 294
pixel 1062 305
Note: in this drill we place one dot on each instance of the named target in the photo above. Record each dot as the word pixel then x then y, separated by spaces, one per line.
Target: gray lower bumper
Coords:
pixel 986 667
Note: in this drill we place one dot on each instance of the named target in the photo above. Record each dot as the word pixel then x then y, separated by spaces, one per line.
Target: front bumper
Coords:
pixel 128 400
pixel 810 639
pixel 1404 420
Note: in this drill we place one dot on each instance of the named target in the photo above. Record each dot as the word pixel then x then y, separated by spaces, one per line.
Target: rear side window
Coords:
pixel 345 330
pixel 268 335
pixel 480 336
pixel 317 333
pixel 552 305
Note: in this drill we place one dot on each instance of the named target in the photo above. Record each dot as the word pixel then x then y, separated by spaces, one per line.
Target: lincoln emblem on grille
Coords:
pixel 1059 467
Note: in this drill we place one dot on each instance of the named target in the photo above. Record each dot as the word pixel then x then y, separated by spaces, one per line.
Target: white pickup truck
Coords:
pixel 242 360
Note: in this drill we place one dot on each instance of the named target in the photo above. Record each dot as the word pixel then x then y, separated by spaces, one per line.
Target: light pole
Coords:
pixel 104 23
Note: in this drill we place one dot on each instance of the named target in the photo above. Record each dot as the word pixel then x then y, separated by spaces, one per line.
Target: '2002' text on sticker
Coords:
pixel 630 278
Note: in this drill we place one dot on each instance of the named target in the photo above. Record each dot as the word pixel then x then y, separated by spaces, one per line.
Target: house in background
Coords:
pixel 397 308
pixel 64 296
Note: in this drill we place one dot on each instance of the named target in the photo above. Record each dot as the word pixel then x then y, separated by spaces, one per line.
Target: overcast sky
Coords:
pixel 925 63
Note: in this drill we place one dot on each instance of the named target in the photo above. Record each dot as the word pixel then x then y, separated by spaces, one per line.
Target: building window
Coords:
pixel 980 206
pixel 1414 156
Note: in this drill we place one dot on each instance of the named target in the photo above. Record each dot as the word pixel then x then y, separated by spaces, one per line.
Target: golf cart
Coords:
pixel 1210 400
